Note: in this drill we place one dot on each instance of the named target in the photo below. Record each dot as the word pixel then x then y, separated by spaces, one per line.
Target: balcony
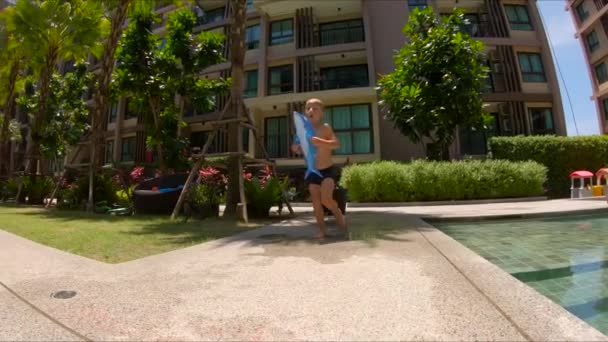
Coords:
pixel 332 71
pixel 341 32
pixel 599 4
pixel 208 17
pixel 351 76
pixel 324 8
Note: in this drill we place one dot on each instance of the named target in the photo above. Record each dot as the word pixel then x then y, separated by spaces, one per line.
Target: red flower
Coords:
pixel 247 176
pixel 137 174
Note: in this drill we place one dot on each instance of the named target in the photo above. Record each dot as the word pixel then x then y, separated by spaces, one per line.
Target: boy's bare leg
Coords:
pixel 315 196
pixel 327 199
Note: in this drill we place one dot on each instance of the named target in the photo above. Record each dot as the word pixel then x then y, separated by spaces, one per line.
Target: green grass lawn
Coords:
pixel 113 239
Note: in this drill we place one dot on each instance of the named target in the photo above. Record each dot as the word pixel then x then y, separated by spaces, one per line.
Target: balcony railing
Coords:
pixel 208 17
pixel 341 32
pixel 344 77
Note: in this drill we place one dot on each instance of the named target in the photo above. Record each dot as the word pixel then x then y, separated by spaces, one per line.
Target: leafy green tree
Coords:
pixel 151 74
pixel 12 60
pixel 437 82
pixel 67 116
pixel 52 30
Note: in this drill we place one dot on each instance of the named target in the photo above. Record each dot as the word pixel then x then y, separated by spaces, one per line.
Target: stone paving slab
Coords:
pixel 278 287
pixel 20 322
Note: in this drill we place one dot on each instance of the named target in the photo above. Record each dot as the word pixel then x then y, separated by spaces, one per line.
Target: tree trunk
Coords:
pixel 438 151
pixel 155 108
pixel 32 155
pixel 237 57
pixel 119 14
pixel 9 108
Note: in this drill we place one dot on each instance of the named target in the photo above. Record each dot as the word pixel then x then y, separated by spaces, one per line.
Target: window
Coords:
pixel 109 155
pixel 601 73
pixel 252 37
pixel 112 112
pixel 531 67
pixel 518 17
pixel 276 137
pixel 251 83
pixel 213 16
pixel 592 41
pixel 488 81
pixel 250 6
pixel 353 127
pixel 189 110
pixel 342 32
pixel 420 4
pixel 127 149
pixel 130 112
pixel 280 80
pixel 344 77
pixel 472 27
pixel 581 12
pixel 605 108
pixel 542 120
pixel 472 141
pixel 219 143
pixel 281 32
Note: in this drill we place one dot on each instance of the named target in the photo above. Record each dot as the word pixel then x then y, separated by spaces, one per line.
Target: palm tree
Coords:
pixel 117 10
pixel 11 67
pixel 54 30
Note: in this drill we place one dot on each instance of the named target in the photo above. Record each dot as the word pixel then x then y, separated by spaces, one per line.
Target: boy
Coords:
pixel 322 188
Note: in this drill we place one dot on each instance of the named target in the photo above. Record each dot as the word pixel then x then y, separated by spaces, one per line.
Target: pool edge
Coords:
pixel 536 315
pixel 430 218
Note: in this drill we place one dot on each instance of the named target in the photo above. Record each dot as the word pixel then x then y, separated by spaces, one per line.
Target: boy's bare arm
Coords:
pixel 329 139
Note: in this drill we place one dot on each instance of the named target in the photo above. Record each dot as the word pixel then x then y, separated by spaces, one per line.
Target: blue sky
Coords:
pixel 568 52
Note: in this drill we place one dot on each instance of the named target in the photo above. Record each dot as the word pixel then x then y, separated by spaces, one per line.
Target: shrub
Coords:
pixel 388 181
pixel 263 192
pixel 561 156
pixel 37 188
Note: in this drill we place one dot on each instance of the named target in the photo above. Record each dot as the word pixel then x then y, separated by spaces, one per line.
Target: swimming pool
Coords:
pixel 563 258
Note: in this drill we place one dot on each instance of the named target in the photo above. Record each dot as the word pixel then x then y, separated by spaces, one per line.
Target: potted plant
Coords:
pixel 206 196
pixel 263 192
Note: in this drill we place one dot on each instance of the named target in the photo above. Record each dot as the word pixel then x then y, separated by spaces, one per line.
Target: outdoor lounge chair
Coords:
pixel 161 201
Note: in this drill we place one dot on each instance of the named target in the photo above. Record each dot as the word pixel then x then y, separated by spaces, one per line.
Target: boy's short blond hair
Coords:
pixel 313 100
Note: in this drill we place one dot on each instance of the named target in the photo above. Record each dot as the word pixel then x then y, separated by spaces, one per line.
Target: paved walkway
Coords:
pixel 400 279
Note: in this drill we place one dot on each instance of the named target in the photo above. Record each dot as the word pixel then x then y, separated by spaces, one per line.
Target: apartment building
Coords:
pixel 591 21
pixel 336 51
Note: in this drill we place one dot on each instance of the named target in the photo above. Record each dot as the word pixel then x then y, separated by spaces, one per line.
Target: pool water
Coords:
pixel 563 258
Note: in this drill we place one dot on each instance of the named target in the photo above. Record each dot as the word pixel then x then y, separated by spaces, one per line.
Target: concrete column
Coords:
pixel 369 47
pixel 263 60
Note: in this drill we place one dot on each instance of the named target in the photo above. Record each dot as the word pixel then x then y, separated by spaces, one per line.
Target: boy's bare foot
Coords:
pixel 341 221
pixel 320 236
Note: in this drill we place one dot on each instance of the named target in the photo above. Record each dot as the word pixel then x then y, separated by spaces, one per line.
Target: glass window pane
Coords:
pixel 548 119
pixel 511 14
pixel 341 118
pixel 524 63
pixel 522 13
pixel 360 116
pixel 362 142
pixel 346 144
pixel 536 63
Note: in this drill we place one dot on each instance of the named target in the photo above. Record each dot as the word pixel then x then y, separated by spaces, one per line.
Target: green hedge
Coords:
pixel 388 181
pixel 561 156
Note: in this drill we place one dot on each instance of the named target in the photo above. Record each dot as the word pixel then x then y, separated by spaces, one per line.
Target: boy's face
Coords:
pixel 314 111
